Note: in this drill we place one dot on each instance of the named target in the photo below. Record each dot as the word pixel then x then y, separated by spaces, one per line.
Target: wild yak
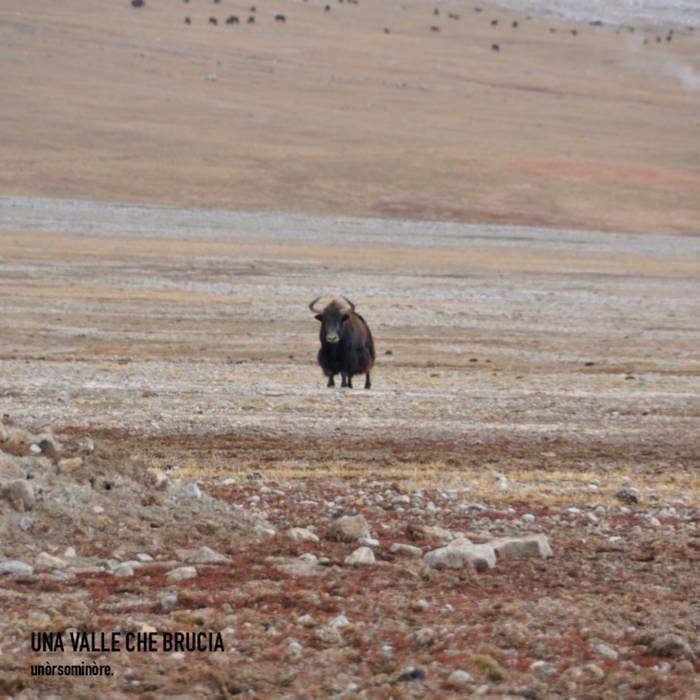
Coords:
pixel 347 347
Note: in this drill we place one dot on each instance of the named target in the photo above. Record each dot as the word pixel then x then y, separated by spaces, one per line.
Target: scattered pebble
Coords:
pixel 182 573
pixel 360 557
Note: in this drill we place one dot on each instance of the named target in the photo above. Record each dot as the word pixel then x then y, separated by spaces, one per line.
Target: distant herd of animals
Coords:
pixel 280 18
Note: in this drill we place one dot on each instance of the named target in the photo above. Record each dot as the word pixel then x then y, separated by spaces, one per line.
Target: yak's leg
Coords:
pixel 344 378
pixel 368 384
pixel 330 381
pixel 349 381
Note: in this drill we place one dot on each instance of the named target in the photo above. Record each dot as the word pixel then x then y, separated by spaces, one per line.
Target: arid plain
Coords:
pixel 518 226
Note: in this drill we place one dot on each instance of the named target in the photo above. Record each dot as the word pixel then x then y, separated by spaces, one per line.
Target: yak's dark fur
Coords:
pixel 347 347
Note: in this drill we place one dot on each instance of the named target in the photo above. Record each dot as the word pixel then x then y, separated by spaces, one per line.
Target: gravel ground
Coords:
pixel 527 381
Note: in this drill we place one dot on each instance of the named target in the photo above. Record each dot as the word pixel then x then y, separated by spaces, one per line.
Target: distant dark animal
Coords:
pixel 188 20
pixel 436 12
pixel 452 15
pixel 137 3
pixel 252 8
pixel 280 18
pixel 494 22
pixel 574 32
pixel 327 8
pixel 213 20
pixel 232 19
pixel 434 28
pixel 251 20
pixel 387 30
pixel 495 47
pixel 412 674
pixel 347 347
pixel 515 24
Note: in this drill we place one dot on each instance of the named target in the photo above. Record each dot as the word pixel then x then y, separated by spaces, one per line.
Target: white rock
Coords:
pixel 543 669
pixel 168 601
pixel 181 573
pixel 308 557
pixel 20 493
pixel 424 636
pixel 368 542
pixel 70 553
pixel 69 464
pixel 301 534
pixel 328 634
pixel 161 481
pixel 14 567
pixel 442 557
pixel 606 651
pixel 361 556
pixel 124 570
pixel 407 550
pixel 527 518
pixel 460 677
pixel 142 556
pixel 47 561
pixel 205 555
pixel 438 532
pixel 192 490
pixel 25 523
pixel 339 621
pixel 460 552
pixel 526 546
pixel 98 510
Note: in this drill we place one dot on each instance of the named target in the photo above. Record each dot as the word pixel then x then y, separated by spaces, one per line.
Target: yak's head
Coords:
pixel 333 318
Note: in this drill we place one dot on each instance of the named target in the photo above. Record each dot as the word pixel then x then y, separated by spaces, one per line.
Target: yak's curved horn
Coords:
pixel 312 304
pixel 352 306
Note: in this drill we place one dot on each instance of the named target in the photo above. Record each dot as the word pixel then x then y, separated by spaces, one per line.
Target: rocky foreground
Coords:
pixel 345 586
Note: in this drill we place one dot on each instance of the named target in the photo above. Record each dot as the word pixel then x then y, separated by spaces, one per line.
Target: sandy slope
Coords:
pixel 326 113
